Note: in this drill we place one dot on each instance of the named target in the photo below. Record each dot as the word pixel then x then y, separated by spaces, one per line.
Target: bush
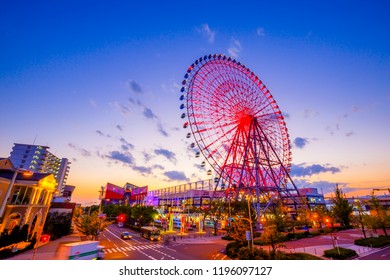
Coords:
pixel 297 235
pixel 245 253
pixel 340 253
pixel 232 249
pixel 227 237
pixel 375 242
pixel 5 253
pixel 296 256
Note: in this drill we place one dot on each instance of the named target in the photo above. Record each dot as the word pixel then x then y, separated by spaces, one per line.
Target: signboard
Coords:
pixel 248 235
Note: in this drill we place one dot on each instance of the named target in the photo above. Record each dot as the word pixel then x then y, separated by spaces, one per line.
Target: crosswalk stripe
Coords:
pixel 136 247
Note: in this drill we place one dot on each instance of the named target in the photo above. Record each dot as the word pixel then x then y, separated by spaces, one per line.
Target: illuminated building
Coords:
pixel 25 197
pixel 38 159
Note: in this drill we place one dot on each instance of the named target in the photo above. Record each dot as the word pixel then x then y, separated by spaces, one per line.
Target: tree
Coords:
pixel 319 214
pixel 143 215
pixel 379 217
pixel 341 208
pixel 362 217
pixel 91 225
pixel 278 215
pixel 272 237
pixel 215 212
pixel 238 230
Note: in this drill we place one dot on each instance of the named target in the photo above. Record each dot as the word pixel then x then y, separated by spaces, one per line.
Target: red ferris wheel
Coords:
pixel 236 124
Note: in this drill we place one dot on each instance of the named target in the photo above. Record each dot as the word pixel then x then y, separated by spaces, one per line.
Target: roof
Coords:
pixel 36 176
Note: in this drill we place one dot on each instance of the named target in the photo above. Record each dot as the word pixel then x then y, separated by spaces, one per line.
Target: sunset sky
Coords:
pixel 99 83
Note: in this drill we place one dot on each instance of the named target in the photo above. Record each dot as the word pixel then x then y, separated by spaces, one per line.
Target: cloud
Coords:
pixel 158 166
pixel 302 170
pixel 100 133
pixel 235 48
pixel 175 176
pixel 126 145
pixel 121 108
pixel 207 33
pixel 82 151
pixel 260 31
pixel 300 142
pixel 171 156
pixel 309 113
pixel 147 156
pixel 143 169
pixel 324 187
pixel 126 158
pixel 119 127
pixel 349 134
pixel 148 113
pixel 162 130
pixel 134 86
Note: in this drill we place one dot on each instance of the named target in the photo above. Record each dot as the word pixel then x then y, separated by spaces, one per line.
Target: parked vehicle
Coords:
pixel 84 250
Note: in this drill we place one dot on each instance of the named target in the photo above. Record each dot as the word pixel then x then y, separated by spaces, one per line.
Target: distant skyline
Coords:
pixel 99 83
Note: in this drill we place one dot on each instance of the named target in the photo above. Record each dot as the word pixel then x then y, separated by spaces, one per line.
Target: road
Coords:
pixel 383 254
pixel 139 248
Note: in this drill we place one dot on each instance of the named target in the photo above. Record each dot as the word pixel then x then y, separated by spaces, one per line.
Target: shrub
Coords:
pixel 227 237
pixel 375 242
pixel 245 253
pixel 297 235
pixel 296 256
pixel 340 253
pixel 5 253
pixel 232 249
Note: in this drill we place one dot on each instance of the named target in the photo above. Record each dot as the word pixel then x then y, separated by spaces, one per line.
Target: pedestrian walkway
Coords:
pixel 318 244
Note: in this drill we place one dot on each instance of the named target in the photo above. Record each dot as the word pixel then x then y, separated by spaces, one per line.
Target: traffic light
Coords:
pixel 45 238
pixel 121 218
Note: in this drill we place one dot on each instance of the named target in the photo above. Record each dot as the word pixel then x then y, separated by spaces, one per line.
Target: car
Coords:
pixel 126 235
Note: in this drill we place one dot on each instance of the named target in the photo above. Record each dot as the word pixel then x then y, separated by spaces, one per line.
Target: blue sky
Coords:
pixel 98 82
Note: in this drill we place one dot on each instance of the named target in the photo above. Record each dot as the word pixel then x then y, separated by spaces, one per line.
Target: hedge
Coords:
pixel 340 253
pixel 375 242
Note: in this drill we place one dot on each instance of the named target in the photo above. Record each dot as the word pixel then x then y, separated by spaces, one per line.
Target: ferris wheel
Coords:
pixel 236 125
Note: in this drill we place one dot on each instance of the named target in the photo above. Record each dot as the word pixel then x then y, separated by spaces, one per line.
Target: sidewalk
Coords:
pixel 47 251
pixel 318 244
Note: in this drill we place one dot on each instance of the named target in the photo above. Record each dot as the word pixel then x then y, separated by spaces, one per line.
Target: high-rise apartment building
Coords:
pixel 38 158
